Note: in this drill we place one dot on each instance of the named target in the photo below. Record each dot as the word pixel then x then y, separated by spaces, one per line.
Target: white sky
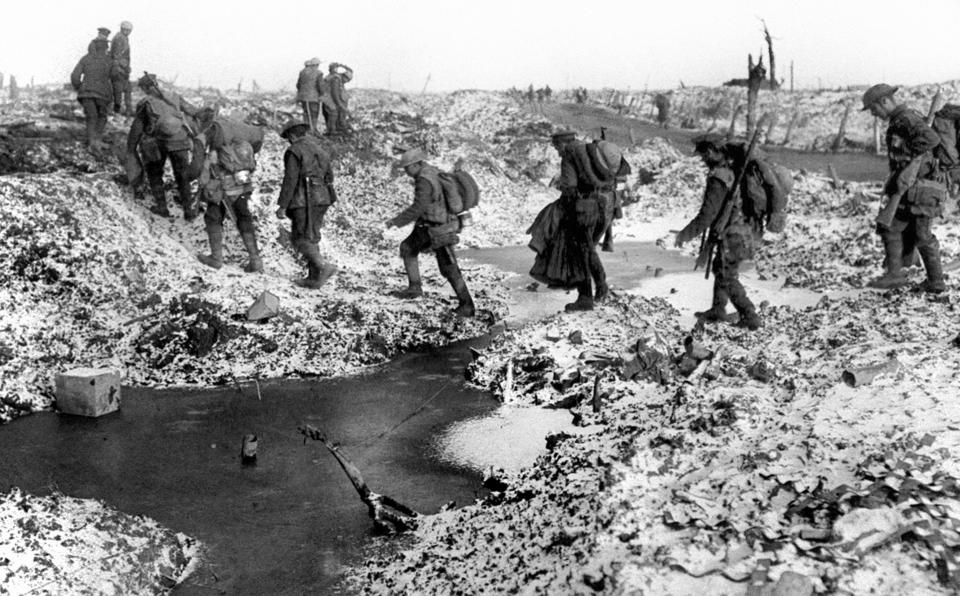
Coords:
pixel 495 44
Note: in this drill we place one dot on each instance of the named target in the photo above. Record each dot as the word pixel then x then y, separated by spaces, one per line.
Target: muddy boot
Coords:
pixel 934 284
pixel 745 308
pixel 215 258
pixel 255 265
pixel 414 285
pixel 465 307
pixel 584 299
pixel 315 267
pixel 607 245
pixel 602 293
pixel 894 277
pixel 718 309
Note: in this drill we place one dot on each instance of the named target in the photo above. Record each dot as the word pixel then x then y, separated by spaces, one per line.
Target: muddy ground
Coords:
pixel 686 474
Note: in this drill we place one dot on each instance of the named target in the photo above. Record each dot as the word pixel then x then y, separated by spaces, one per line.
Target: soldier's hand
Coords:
pixel 680 239
pixel 281 213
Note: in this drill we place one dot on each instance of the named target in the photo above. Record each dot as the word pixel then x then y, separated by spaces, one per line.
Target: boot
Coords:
pixel 255 265
pixel 745 308
pixel 718 309
pixel 602 293
pixel 584 299
pixel 930 254
pixel 414 285
pixel 894 277
pixel 318 271
pixel 159 206
pixel 465 307
pixel 215 258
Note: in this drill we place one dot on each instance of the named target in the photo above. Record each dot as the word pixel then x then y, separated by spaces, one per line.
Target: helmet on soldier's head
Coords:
pixel 312 62
pixel 710 140
pixel 411 157
pixel 875 94
pixel 291 127
pixel 147 80
pixel 563 134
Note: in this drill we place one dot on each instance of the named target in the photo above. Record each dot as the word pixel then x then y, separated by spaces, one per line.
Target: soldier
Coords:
pixel 434 228
pixel 335 111
pixel 662 103
pixel 306 194
pixel 120 52
pixel 226 184
pixel 161 129
pixel 102 33
pixel 571 260
pixel 735 241
pixel 309 90
pixel 916 187
pixel 92 78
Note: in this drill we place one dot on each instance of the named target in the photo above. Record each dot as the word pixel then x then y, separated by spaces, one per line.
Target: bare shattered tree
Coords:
pixel 756 76
pixel 774 83
pixel 389 516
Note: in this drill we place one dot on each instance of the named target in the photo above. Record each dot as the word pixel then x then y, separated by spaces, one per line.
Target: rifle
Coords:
pixel 709 241
pixel 905 179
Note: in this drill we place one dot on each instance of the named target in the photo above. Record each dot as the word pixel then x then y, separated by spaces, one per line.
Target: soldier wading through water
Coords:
pixel 916 189
pixel 728 229
pixel 434 228
pixel 306 194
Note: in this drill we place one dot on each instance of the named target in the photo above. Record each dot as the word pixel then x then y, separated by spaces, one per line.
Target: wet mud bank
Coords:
pixel 288 524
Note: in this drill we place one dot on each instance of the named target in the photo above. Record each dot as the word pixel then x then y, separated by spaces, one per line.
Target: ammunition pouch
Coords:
pixel 926 198
pixel 318 192
pixel 738 243
pixel 444 234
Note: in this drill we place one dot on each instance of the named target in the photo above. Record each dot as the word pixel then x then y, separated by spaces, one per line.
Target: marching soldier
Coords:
pixel 916 189
pixel 734 242
pixel 434 228
pixel 306 194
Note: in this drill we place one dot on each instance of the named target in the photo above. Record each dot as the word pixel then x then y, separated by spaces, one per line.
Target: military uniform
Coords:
pixel 225 190
pixel 309 91
pixel 120 52
pixel 334 99
pixel 434 228
pixel 734 243
pixel 92 78
pixel 159 131
pixel 305 195
pixel 908 137
pixel 584 201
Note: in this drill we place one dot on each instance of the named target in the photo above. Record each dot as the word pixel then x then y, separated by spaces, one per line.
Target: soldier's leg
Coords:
pixel 447 262
pixel 248 233
pixel 90 119
pixel 213 222
pixel 180 162
pixel 103 109
pixel 929 248
pixel 892 239
pixel 117 95
pixel 718 306
pixel 598 274
pixel 607 245
pixel 410 250
pixel 729 278
pixel 154 170
pixel 308 246
pixel 127 96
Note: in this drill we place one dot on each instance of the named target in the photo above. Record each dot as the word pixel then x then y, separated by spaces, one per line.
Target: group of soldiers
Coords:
pixel 730 229
pixel 102 80
pixel 199 143
pixel 315 91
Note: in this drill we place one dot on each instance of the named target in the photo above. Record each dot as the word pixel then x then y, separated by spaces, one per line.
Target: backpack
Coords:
pixel 237 156
pixel 947 124
pixel 766 187
pixel 460 191
pixel 166 122
pixel 605 159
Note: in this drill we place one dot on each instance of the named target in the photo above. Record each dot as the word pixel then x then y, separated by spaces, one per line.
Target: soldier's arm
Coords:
pixel 919 137
pixel 567 182
pixel 336 92
pixel 291 180
pixel 713 197
pixel 422 195
pixel 76 75
pixel 136 130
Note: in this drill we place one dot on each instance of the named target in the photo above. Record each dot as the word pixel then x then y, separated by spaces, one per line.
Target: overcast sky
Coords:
pixel 495 44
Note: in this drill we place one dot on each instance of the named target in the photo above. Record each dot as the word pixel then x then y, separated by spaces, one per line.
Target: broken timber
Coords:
pixel 388 515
